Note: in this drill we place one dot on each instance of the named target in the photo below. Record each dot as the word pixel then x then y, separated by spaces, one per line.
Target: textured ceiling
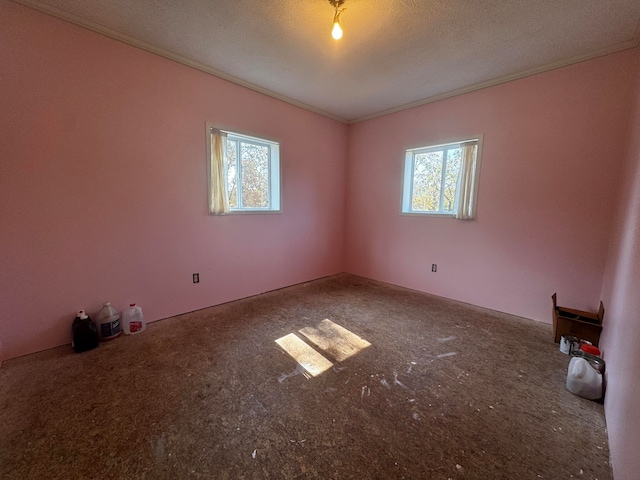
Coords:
pixel 394 53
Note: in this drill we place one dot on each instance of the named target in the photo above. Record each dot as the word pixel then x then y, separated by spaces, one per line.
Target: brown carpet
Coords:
pixel 444 391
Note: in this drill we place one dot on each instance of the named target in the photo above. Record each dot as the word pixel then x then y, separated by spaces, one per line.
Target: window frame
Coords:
pixel 408 169
pixel 274 169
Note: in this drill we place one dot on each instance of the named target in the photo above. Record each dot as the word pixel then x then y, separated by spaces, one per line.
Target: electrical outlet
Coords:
pixel 196 278
pixel 434 267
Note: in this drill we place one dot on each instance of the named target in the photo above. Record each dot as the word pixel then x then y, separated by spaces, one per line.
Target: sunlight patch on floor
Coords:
pixel 312 361
pixel 337 341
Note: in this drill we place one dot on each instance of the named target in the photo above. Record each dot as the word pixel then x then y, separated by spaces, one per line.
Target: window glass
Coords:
pixel 255 174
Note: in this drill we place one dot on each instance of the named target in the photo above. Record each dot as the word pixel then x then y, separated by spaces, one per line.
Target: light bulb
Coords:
pixel 337 31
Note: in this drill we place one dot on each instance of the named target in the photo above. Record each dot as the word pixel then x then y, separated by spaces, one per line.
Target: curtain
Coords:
pixel 467 183
pixel 218 201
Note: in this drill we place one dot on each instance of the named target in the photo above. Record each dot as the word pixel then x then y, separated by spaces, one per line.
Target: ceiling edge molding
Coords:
pixel 507 78
pixel 113 34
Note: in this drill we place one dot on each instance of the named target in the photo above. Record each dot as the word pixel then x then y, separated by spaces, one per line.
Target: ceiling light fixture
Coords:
pixel 337 30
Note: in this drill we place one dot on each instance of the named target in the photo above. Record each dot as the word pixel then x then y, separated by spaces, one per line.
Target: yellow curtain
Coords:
pixel 467 184
pixel 219 201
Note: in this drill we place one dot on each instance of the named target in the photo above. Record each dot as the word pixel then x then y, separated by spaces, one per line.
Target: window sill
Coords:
pixel 428 214
pixel 247 212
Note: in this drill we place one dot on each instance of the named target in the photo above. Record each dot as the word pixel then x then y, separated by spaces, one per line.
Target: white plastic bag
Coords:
pixel 583 379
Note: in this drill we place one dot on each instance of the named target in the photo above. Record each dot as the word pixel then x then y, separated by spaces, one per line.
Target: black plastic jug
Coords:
pixel 84 333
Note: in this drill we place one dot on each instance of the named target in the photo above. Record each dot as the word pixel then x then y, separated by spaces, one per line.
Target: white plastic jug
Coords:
pixel 133 320
pixel 583 379
pixel 108 322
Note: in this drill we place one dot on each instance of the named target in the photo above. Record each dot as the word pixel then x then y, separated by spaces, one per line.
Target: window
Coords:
pixel 442 179
pixel 244 173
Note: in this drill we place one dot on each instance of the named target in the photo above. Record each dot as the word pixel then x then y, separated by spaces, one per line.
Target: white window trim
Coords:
pixel 275 183
pixel 405 203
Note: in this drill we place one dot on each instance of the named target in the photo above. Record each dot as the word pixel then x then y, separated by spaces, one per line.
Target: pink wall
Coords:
pixel 621 336
pixel 553 148
pixel 103 192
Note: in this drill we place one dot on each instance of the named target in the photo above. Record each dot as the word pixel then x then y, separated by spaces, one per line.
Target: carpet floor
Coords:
pixel 338 378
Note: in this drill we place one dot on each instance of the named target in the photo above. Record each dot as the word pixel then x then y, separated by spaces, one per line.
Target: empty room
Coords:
pixel 319 239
